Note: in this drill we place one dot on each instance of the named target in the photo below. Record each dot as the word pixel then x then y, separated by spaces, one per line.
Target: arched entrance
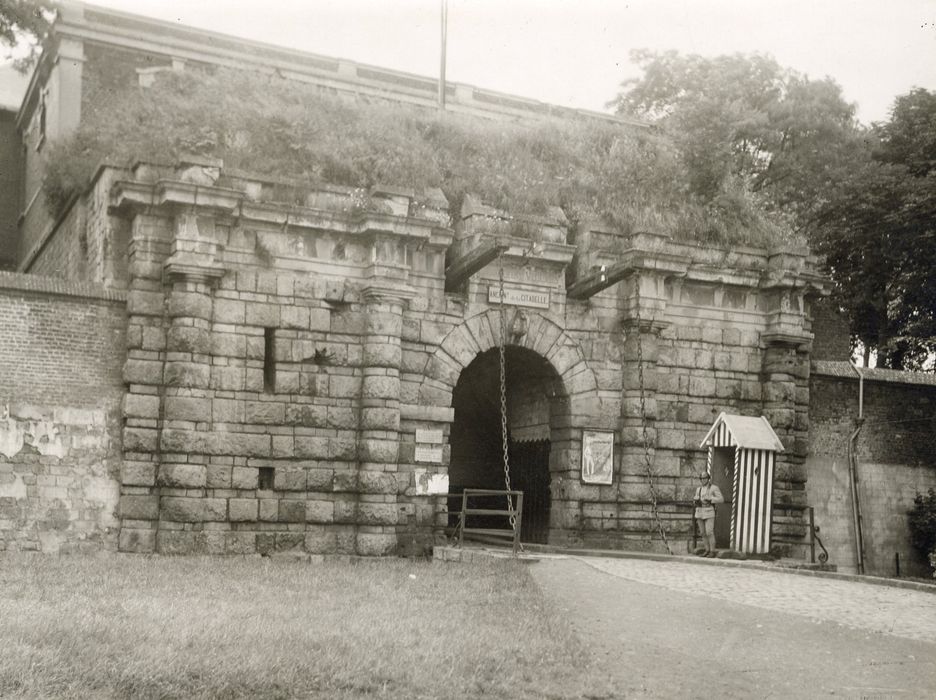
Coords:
pixel 535 395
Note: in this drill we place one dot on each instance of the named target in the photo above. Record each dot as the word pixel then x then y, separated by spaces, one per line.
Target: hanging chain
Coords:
pixel 502 351
pixel 643 418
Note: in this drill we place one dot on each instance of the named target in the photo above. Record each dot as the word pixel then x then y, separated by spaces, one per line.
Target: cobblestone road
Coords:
pixel 903 613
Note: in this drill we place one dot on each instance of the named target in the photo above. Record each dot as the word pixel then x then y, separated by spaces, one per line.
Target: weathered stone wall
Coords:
pixel 62 347
pixel 283 359
pixel 10 188
pixel 896 458
pixel 86 244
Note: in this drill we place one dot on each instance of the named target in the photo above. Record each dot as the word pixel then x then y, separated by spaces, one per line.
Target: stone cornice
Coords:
pixel 134 194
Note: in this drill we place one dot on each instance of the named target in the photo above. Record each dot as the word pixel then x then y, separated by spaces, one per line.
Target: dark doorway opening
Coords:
pixel 476 439
pixel 529 465
pixel 723 478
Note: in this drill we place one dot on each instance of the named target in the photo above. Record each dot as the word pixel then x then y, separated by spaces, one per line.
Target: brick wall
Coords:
pixel 61 355
pixel 896 450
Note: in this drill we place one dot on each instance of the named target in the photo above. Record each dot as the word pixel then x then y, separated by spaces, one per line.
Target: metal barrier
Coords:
pixel 814 538
pixel 512 512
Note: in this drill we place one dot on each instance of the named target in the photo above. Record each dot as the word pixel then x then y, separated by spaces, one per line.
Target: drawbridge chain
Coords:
pixel 643 420
pixel 502 351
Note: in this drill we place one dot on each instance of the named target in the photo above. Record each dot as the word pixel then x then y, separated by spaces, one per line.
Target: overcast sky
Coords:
pixel 575 52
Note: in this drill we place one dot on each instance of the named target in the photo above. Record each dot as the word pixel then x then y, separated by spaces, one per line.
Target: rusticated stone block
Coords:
pixel 193 510
pixel 378 451
pixel 382 355
pixel 182 476
pixel 134 473
pixel 186 441
pixel 376 544
pixel 144 303
pixel 321 542
pixel 210 542
pixel 319 479
pixel 345 481
pixel 240 542
pixel 244 478
pixel 175 542
pixel 143 371
pixel 242 444
pixel 702 386
pixel 728 388
pixel 269 509
pixel 289 479
pixel 139 440
pixel 142 507
pixel 228 378
pixel 218 476
pixel 319 320
pixel 319 511
pixel 382 322
pixel 153 338
pixel 306 415
pixel 345 511
pixel 189 305
pixel 228 345
pixel 373 418
pixel 187 408
pixel 342 387
pixel 295 317
pixel 259 314
pixel 341 418
pixel 779 392
pixel 377 482
pixel 243 509
pixel 227 411
pixel 187 374
pixel 134 541
pixel 291 511
pixel 230 311
pixel 342 449
pixel 311 447
pixel 188 339
pixel 268 412
pixel 287 541
pixel 140 406
pixel 377 514
pixel 266 542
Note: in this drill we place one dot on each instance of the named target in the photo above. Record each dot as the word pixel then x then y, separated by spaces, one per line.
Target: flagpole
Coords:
pixel 442 66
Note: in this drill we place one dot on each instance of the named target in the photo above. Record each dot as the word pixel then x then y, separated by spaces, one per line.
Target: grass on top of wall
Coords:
pixel 148 627
pixel 622 176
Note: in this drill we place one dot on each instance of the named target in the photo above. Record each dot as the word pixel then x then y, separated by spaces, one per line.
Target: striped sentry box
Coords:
pixel 755 445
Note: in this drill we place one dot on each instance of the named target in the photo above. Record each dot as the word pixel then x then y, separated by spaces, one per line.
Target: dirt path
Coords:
pixel 664 643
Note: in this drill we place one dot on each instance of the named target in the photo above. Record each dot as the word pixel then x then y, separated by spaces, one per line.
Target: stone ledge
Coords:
pixel 39 284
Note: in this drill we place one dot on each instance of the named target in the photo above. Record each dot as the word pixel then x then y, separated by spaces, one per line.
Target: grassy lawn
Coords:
pixel 141 627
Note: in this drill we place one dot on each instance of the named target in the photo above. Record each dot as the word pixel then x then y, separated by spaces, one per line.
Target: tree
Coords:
pixel 878 232
pixel 744 121
pixel 23 25
pixel 863 197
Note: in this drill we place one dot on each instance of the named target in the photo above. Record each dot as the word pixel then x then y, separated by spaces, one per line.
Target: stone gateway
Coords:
pixel 196 357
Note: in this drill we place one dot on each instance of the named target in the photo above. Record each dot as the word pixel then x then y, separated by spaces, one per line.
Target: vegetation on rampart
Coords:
pixel 622 176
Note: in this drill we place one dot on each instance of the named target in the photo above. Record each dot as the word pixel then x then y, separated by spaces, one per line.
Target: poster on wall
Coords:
pixel 597 456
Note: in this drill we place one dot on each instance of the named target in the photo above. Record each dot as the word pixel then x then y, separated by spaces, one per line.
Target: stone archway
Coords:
pixel 534 407
pixel 573 399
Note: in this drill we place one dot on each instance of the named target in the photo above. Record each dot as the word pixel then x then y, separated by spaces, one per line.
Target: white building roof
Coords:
pixel 747 432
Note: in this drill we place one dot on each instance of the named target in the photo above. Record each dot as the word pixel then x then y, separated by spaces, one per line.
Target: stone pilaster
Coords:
pixel 379 437
pixel 143 375
pixel 192 272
